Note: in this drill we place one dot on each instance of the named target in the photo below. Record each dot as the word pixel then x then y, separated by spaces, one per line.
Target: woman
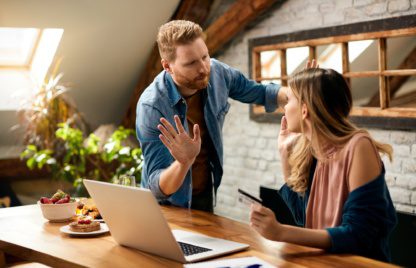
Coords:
pixel 334 175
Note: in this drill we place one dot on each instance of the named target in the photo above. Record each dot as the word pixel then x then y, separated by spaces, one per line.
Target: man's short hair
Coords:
pixel 176 32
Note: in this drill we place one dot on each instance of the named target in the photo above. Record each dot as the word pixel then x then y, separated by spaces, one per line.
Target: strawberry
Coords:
pixel 45 200
pixel 63 200
pixel 87 221
pixel 54 200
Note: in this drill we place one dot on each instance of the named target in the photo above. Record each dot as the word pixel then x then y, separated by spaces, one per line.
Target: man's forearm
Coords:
pixel 172 177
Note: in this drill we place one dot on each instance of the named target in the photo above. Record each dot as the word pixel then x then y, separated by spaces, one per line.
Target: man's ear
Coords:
pixel 166 66
pixel 305 112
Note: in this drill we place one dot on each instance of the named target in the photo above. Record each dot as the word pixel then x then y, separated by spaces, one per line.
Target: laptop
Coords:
pixel 135 220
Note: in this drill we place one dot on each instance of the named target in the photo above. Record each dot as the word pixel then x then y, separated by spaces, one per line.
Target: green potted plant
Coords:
pixel 81 158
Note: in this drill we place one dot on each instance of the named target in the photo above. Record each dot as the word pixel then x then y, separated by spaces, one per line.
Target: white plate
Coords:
pixel 100 220
pixel 66 230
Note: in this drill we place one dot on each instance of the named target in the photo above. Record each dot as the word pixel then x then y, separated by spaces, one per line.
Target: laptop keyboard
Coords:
pixel 189 249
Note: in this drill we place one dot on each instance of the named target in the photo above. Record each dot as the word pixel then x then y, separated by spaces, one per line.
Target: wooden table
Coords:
pixel 26 234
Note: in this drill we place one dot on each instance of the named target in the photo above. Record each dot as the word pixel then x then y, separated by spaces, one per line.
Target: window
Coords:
pixel 17 46
pixel 379 65
pixel 25 57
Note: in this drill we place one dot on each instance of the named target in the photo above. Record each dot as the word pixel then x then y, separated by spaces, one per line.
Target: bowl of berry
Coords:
pixel 59 208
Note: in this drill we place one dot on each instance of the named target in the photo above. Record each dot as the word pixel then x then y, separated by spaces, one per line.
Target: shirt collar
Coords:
pixel 173 93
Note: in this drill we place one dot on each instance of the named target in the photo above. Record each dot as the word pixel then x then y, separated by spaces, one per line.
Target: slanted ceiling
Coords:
pixel 105 46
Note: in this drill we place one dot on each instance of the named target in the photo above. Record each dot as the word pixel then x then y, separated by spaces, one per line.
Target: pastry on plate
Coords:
pixel 92 211
pixel 84 225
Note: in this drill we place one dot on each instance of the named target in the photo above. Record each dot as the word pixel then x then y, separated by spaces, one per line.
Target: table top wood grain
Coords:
pixel 26 234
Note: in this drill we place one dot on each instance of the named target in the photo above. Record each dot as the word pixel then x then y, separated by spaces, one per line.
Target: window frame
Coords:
pixel 30 56
pixel 379 117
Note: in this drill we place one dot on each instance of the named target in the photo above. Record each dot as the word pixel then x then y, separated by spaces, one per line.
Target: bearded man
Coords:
pixel 181 113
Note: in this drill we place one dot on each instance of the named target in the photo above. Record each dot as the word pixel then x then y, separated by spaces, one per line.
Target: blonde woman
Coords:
pixel 334 175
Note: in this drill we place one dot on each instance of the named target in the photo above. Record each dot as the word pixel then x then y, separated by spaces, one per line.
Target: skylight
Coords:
pixel 17 46
pixel 26 55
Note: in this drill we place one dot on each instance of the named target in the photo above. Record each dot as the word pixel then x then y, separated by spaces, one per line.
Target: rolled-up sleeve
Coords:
pixel 249 91
pixel 156 156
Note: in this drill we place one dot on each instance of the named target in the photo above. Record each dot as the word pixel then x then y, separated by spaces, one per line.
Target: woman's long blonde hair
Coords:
pixel 328 99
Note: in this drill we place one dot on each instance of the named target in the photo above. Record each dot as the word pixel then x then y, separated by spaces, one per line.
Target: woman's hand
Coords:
pixel 182 147
pixel 264 222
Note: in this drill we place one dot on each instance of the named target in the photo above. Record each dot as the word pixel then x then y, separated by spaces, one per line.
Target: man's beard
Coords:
pixel 196 84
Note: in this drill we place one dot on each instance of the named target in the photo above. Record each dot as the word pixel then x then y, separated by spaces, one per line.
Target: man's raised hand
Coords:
pixel 181 146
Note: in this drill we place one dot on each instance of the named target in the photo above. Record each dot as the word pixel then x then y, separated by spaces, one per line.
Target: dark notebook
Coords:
pixel 272 199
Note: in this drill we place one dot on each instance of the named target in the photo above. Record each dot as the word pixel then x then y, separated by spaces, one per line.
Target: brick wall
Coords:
pixel 250 148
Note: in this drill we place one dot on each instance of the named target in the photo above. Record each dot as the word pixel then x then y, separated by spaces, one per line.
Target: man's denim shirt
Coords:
pixel 162 99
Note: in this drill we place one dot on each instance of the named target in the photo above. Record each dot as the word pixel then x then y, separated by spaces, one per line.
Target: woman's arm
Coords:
pixel 264 222
pixel 365 166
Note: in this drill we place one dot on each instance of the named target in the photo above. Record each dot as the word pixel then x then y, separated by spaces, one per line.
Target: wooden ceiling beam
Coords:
pixel 193 10
pixel 233 21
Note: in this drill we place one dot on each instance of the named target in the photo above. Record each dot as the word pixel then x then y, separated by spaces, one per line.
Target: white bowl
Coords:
pixel 58 212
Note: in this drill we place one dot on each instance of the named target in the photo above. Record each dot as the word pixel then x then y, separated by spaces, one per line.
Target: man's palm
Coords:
pixel 181 146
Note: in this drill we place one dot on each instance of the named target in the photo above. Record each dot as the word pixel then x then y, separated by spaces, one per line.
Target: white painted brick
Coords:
pixel 257 32
pixel 231 180
pixel 234 161
pixel 402 150
pixel 268 178
pixel 249 142
pixel 412 183
pixel 395 166
pixel 272 143
pixel 327 7
pixel 241 151
pixel 270 132
pixel 308 22
pixel 405 208
pixel 395 6
pixel 262 165
pixel 380 135
pixel 403 137
pixel 283 17
pixel 334 18
pixel 343 4
pixel 268 155
pixel 390 180
pixel 400 195
pixel 413 198
pixel 376 9
pixel 255 153
pixel 414 150
pixel 359 3
pixel 409 166
pixel 308 9
pixel 251 163
pixel 252 131
pixel 402 181
pixel 261 143
pixel 353 15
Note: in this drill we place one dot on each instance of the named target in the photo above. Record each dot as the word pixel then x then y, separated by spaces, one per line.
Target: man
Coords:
pixel 181 114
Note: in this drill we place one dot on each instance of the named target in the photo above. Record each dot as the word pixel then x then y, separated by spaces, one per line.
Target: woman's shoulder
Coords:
pixel 365 162
pixel 358 139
